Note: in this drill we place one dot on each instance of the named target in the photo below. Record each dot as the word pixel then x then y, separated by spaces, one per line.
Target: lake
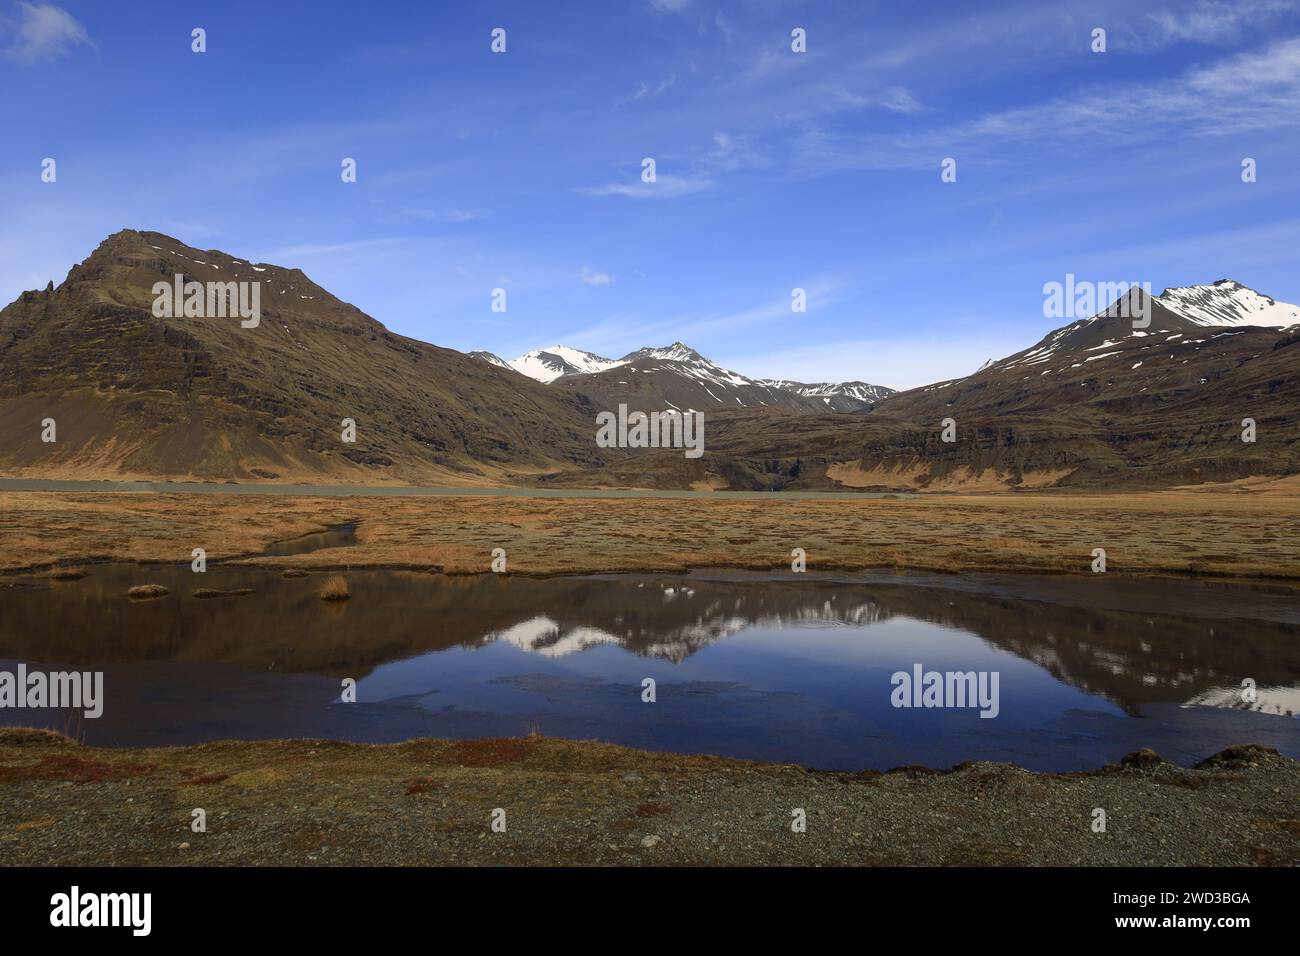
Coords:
pixel 771 666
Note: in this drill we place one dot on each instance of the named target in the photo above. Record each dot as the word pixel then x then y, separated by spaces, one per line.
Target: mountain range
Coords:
pixel 677 376
pixel 136 395
pixel 1099 402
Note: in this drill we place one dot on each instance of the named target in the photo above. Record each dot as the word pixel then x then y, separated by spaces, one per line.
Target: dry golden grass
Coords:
pixel 1233 533
pixel 335 588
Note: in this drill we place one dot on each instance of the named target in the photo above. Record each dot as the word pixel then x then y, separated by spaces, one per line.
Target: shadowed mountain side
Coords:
pixel 138 395
pixel 765 450
pixel 1099 403
pixel 1106 426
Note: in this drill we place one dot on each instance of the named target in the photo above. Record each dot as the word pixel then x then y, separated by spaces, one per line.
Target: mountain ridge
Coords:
pixel 1098 402
pixel 688 381
pixel 133 393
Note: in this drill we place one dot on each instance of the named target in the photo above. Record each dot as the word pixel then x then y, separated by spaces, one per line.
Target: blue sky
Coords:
pixel 775 170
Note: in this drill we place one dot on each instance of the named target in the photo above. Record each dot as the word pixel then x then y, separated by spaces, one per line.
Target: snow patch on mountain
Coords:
pixel 677 352
pixel 491 359
pixel 690 363
pixel 546 365
pixel 1226 305
pixel 862 391
pixel 1228 302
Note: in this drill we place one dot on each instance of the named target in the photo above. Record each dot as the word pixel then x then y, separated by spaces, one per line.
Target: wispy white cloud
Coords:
pixel 620 334
pixel 460 215
pixel 726 153
pixel 45 32
pixel 900 100
pixel 1253 90
pixel 1243 93
pixel 669 6
pixel 725 28
pixel 1208 21
pixel 429 215
pixel 896 99
pixel 731 152
pixel 644 91
pixel 665 187
pixel 595 278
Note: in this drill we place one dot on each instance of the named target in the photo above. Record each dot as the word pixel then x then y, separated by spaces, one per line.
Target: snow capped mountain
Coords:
pixel 1191 315
pixel 1228 302
pixel 689 362
pixel 680 377
pixel 546 365
pixel 677 376
pixel 491 359
pixel 1145 390
pixel 677 352
pixel 860 391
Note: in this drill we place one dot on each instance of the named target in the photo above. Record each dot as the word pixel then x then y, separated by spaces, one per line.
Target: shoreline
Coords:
pixel 432 801
pixel 1117 591
pixel 165 487
pixel 828 572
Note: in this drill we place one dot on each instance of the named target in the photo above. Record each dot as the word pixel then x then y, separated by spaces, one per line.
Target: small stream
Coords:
pixel 335 536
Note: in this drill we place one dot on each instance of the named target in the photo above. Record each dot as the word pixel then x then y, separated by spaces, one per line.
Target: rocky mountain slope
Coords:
pixel 837 396
pixel 1100 402
pixel 133 394
pixel 1096 403
pixel 680 377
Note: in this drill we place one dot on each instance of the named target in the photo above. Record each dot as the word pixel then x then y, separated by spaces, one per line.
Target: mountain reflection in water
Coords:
pixel 750 665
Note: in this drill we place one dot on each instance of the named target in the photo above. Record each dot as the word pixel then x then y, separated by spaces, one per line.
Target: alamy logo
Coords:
pixel 70 690
pixel 1083 300
pixel 922 688
pixel 671 429
pixel 208 300
pixel 103 909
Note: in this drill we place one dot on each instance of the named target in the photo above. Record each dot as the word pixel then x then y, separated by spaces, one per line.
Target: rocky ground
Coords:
pixel 432 802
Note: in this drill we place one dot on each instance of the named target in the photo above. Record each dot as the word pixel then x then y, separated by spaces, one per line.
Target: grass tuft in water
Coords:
pixel 335 588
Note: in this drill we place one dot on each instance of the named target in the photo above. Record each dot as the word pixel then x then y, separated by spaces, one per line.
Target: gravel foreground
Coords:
pixel 432 802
